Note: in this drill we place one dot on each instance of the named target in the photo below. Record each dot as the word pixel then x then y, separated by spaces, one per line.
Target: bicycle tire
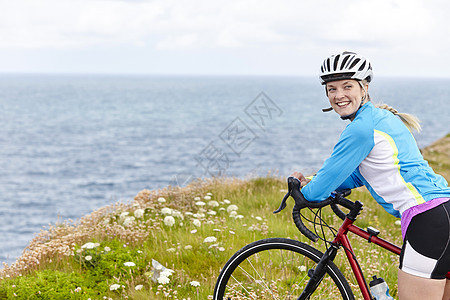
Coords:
pixel 259 271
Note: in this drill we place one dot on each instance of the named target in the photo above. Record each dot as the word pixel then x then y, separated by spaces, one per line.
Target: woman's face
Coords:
pixel 345 96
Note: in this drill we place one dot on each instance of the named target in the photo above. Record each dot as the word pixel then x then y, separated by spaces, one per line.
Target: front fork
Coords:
pixel 316 275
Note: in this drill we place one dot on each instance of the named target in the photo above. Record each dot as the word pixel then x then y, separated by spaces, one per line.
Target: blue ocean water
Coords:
pixel 70 144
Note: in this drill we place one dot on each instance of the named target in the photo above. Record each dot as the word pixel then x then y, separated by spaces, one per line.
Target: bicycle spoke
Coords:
pixel 261 280
pixel 243 287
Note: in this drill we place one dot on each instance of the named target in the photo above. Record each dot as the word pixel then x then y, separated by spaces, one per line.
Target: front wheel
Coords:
pixel 277 268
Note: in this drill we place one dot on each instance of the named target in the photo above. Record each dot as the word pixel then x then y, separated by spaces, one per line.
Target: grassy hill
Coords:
pixel 191 231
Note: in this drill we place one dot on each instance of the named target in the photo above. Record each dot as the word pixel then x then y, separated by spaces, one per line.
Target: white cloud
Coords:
pixel 272 31
pixel 65 23
pixel 179 42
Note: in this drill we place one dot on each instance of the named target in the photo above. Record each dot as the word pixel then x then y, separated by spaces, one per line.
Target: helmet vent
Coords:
pixel 362 66
pixel 336 59
pixel 354 63
pixel 328 64
pixel 344 61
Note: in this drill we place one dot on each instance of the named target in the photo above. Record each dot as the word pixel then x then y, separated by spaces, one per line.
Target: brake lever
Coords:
pixel 292 184
pixel 283 203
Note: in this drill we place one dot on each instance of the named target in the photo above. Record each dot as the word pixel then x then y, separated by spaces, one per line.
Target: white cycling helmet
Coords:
pixel 345 65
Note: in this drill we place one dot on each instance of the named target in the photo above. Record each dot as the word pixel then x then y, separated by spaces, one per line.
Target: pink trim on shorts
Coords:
pixel 415 210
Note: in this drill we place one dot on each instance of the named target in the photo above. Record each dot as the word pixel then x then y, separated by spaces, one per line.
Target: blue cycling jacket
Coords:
pixel 377 150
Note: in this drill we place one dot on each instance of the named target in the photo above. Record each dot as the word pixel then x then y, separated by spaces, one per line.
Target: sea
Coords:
pixel 70 144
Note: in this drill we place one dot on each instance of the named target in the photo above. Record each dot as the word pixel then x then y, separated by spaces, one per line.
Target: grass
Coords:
pixel 111 253
pixel 438 155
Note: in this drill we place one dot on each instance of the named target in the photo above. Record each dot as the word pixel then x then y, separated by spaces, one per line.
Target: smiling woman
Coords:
pixel 377 150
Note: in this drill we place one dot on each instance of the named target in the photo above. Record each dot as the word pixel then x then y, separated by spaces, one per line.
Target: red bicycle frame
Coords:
pixel 342 239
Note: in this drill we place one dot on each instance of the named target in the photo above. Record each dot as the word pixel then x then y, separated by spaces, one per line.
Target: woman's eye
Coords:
pixel 331 89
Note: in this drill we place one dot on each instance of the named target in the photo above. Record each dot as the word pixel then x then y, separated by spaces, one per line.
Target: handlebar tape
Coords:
pixel 300 203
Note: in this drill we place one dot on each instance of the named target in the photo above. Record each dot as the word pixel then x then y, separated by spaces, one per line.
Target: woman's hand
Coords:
pixel 304 181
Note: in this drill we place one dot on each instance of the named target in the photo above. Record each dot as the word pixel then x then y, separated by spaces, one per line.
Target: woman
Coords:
pixel 378 150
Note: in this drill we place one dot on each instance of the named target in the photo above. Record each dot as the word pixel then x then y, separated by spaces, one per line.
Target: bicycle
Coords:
pixel 282 268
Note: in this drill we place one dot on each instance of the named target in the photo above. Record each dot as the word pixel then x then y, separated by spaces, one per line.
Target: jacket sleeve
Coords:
pixel 354 144
pixel 353 181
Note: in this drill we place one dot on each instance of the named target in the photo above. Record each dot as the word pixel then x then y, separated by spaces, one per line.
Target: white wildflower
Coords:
pixel 221 249
pixel 231 208
pixel 161 200
pixel 211 213
pixel 258 218
pixel 209 194
pixel 200 203
pixel 239 217
pixel 398 222
pixel 114 287
pixel 139 213
pixel 129 264
pixel 166 211
pixel 213 203
pixel 199 215
pixel 128 221
pixel 207 197
pixel 163 279
pixel 164 276
pixel 193 231
pixel 196 222
pixel 233 214
pixel 217 230
pixel 167 272
pixel 302 268
pixel 107 249
pixel 188 213
pixel 187 247
pixel 197 199
pixel 195 283
pixel 169 221
pixel 232 232
pixel 88 257
pixel 90 245
pixel 138 287
pixel 226 201
pixel 210 239
pixel 171 250
pixel 177 214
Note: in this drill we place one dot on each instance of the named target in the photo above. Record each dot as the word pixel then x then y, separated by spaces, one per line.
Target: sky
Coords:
pixel 222 37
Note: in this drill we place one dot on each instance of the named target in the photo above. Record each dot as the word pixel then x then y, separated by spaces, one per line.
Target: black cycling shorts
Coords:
pixel 426 248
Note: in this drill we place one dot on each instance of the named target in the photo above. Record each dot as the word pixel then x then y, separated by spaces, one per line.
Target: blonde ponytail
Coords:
pixel 411 121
